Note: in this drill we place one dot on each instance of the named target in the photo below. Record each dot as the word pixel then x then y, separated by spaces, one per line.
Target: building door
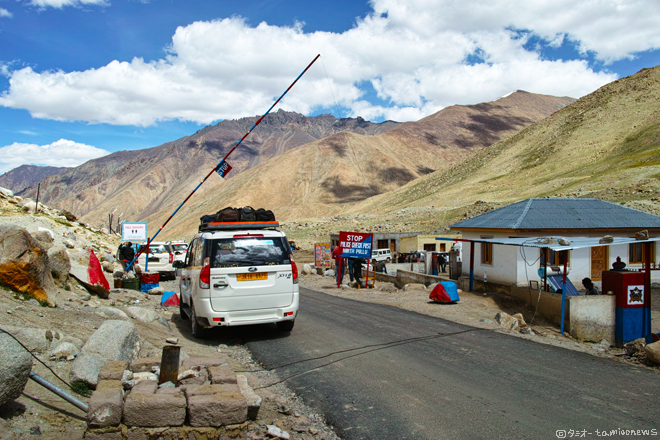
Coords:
pixel 393 246
pixel 598 262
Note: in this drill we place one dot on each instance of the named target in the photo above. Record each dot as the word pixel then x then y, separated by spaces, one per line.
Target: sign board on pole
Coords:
pixel 133 231
pixel 355 244
pixel 322 255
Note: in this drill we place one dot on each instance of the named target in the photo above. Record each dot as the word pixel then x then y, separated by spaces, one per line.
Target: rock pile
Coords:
pixel 210 399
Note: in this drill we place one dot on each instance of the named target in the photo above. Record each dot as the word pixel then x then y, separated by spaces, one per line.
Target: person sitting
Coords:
pixel 589 286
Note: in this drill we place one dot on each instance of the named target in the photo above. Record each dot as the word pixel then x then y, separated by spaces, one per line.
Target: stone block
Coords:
pixel 145 364
pixel 153 410
pixel 170 391
pixel 253 399
pixel 204 390
pixel 207 362
pixel 145 387
pixel 113 370
pixel 106 407
pixel 219 409
pixel 109 384
pixel 222 374
pixel 103 435
pixel 202 379
pixel 136 433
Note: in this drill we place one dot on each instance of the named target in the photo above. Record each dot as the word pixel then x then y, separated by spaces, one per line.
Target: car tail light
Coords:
pixel 205 277
pixel 171 257
pixel 294 269
pixel 248 235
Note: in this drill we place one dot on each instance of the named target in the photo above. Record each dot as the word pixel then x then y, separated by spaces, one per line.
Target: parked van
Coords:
pixel 238 275
pixel 382 255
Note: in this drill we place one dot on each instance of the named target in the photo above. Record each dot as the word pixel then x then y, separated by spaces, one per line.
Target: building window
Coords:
pixel 552 258
pixel 382 244
pixel 442 247
pixel 486 253
pixel 430 247
pixel 636 253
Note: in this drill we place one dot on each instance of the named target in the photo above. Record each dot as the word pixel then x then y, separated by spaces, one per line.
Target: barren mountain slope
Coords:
pixel 138 182
pixel 330 176
pixel 25 176
pixel 605 145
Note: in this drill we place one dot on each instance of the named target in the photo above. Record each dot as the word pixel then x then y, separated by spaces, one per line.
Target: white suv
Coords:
pixel 179 248
pixel 382 255
pixel 238 277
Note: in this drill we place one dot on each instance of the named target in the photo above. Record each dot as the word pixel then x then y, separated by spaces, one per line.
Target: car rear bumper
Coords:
pixel 212 318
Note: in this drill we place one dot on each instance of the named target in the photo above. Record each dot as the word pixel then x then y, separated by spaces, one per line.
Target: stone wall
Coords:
pixel 589 318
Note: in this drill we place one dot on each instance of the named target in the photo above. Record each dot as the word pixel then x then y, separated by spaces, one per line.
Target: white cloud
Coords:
pixel 5 13
pixel 413 54
pixel 62 153
pixel 59 4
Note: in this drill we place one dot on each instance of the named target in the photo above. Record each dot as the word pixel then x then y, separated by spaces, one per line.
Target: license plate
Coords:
pixel 251 276
pixel 153 260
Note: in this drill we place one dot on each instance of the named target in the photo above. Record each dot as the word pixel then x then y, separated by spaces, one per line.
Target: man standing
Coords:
pixel 443 262
pixel 339 264
pixel 126 254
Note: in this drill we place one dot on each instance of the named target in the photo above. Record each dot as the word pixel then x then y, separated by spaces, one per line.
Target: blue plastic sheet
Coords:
pixel 451 289
pixel 147 286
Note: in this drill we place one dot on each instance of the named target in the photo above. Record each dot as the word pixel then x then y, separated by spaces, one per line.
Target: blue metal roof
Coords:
pixel 562 214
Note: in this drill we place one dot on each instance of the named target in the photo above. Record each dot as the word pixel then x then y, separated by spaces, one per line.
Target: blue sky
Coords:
pixel 83 78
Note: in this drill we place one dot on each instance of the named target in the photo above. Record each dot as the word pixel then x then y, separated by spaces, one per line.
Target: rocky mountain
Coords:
pixel 140 182
pixel 25 176
pixel 605 145
pixel 346 162
pixel 335 174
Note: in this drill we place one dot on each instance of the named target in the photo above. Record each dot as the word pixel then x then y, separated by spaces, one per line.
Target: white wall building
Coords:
pixel 515 265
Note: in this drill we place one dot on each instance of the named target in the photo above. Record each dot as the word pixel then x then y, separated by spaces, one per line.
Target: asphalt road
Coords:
pixel 386 373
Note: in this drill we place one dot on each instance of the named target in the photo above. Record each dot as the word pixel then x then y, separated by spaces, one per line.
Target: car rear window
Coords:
pixel 158 248
pixel 179 247
pixel 248 251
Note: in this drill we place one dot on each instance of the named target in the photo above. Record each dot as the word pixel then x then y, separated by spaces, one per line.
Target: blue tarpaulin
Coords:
pixel 145 287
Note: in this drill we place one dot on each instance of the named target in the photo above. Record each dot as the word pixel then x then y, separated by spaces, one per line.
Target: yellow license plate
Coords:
pixel 251 276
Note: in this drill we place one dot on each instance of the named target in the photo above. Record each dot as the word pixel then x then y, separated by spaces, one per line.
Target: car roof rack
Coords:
pixel 228 226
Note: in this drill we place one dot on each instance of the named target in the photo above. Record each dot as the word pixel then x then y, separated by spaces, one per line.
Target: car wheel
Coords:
pixel 197 330
pixel 285 326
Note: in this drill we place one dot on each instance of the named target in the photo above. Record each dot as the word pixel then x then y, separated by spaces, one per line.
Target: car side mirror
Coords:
pixel 178 264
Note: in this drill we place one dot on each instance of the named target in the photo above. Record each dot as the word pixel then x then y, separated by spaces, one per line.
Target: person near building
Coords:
pixel 126 254
pixel 339 265
pixel 443 262
pixel 351 262
pixel 357 270
pixel 589 286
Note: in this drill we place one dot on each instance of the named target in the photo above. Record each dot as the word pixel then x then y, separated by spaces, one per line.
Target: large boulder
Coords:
pixel 24 265
pixel 6 192
pixel 507 321
pixel 15 367
pixel 37 340
pixel 111 313
pixel 144 315
pixel 653 352
pixel 114 340
pixel 86 268
pixel 85 369
pixel 60 265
